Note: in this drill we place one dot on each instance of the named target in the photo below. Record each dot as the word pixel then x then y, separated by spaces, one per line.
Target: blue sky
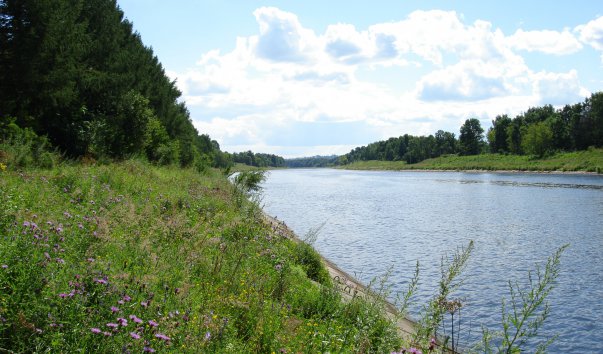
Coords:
pixel 299 78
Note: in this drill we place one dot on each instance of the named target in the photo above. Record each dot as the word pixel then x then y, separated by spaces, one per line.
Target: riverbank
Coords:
pixel 584 162
pixel 349 287
pixel 134 257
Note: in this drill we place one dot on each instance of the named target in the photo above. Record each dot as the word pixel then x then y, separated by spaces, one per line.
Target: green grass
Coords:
pixel 88 249
pixel 580 161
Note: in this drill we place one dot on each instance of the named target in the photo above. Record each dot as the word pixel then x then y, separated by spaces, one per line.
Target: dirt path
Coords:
pixel 348 285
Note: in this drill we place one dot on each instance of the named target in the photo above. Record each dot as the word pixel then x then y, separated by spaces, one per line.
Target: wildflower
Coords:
pixel 135 319
pixel 46 255
pixel 26 223
pixel 122 322
pixel 207 336
pixel 101 280
pixel 107 334
pixel 2 166
pixel 134 335
pixel 63 295
pixel 80 225
pixel 162 336
pixel 153 323
pixel 4 266
pixel 415 351
pixel 95 330
pixel 112 325
pixel 114 309
pixel 144 303
pixel 60 260
pixel 126 298
pixel 121 302
pixel 59 229
pixel 90 260
pixel 148 350
pixel 278 267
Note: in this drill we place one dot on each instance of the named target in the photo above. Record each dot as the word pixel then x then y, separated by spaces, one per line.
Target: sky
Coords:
pixel 305 78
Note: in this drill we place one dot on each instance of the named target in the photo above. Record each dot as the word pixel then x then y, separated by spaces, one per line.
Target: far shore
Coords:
pixel 552 172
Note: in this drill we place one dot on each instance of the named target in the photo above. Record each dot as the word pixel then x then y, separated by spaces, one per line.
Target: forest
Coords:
pixel 538 132
pixel 76 72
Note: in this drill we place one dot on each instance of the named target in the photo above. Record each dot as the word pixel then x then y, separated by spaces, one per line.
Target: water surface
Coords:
pixel 377 220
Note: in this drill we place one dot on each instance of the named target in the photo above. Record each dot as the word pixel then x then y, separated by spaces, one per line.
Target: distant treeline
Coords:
pixel 314 161
pixel 258 159
pixel 76 72
pixel 539 131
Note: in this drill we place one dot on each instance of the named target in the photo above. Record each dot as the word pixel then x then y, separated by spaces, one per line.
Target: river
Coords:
pixel 373 221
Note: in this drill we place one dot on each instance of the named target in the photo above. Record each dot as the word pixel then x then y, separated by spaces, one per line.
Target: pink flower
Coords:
pixel 148 350
pixel 135 319
pixel 162 336
pixel 95 330
pixel 114 309
pixel 134 335
pixel 153 323
pixel 122 322
pixel 112 325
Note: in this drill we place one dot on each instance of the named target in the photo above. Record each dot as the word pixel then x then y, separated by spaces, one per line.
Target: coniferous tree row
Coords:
pixel 77 72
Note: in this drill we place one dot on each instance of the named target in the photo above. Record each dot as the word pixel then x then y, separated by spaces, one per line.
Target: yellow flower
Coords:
pixel 2 166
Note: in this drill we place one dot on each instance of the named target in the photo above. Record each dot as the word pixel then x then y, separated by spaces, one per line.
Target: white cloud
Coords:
pixel 592 33
pixel 288 80
pixel 549 42
pixel 558 88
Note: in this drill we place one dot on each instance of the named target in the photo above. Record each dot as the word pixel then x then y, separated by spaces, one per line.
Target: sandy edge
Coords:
pixel 347 284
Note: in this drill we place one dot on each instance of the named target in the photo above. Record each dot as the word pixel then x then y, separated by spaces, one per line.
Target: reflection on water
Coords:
pixel 381 220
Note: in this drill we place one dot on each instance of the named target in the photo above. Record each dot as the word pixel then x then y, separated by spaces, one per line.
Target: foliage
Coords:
pixel 76 72
pixel 471 138
pixel 314 161
pixel 23 148
pixel 134 257
pixel 527 312
pixel 590 160
pixel 258 159
pixel 537 139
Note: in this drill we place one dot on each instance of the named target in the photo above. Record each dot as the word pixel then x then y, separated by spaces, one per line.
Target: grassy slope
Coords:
pixel 585 161
pixel 86 248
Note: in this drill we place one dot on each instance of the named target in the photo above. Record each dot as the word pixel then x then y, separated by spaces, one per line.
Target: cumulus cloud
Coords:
pixel 288 84
pixel 592 33
pixel 549 42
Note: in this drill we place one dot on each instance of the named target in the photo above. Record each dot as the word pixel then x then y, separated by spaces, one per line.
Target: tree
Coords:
pixel 472 137
pixel 497 135
pixel 537 139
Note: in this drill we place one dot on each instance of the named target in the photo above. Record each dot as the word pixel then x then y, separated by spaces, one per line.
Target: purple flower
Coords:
pixel 107 334
pixel 415 351
pixel 153 323
pixel 121 302
pixel 26 223
pixel 122 322
pixel 207 336
pixel 95 330
pixel 144 303
pixel 90 260
pixel 134 335
pixel 112 325
pixel 126 298
pixel 101 281
pixel 162 336
pixel 148 350
pixel 59 229
pixel 278 267
pixel 63 295
pixel 60 260
pixel 4 266
pixel 135 319
pixel 114 309
pixel 80 225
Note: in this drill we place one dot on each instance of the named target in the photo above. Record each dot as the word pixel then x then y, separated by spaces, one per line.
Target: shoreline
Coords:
pixel 515 171
pixel 349 286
